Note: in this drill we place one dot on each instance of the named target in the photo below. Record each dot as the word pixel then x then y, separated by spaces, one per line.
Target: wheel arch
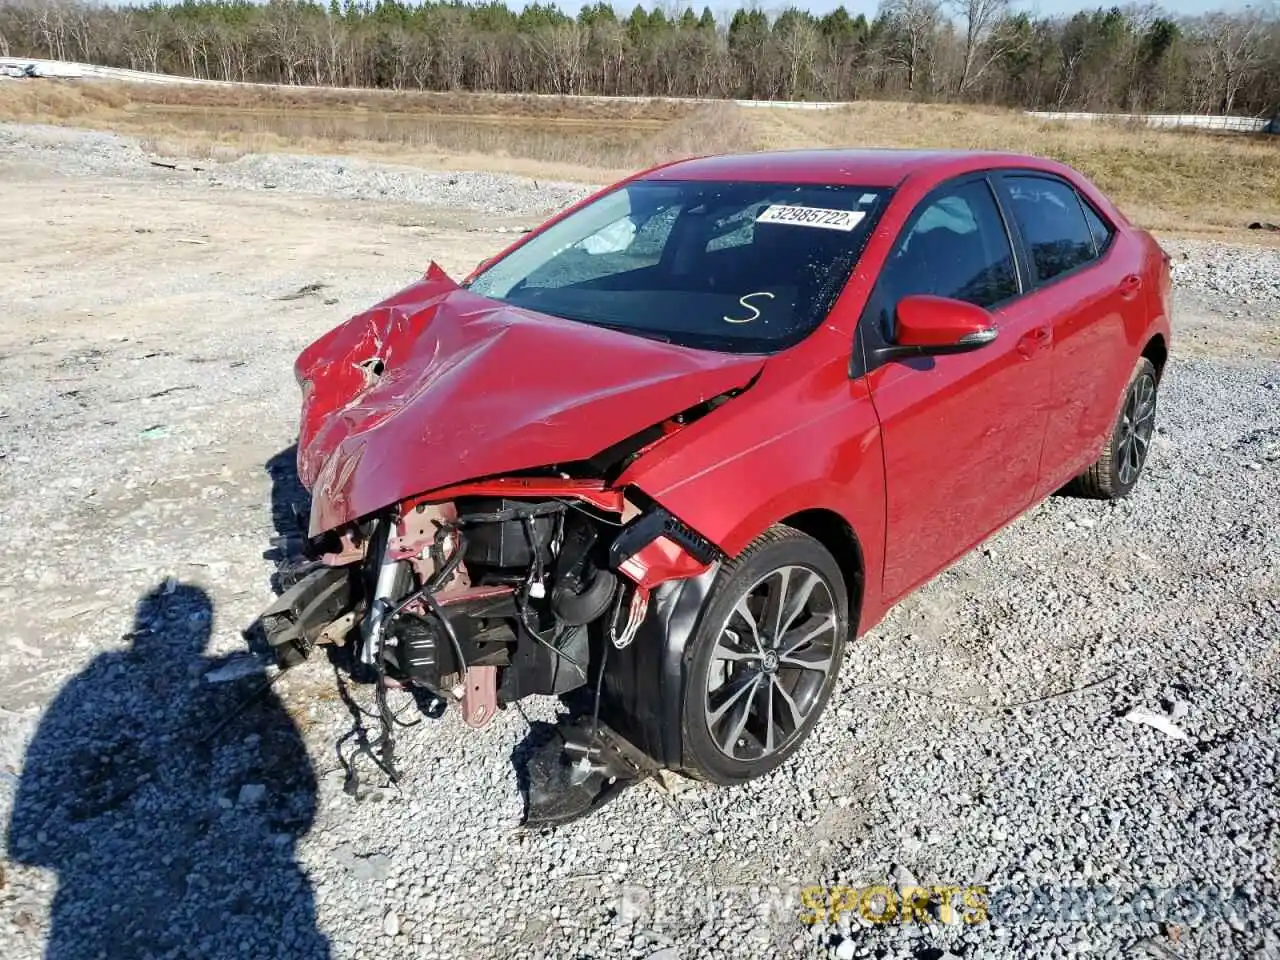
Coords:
pixel 645 682
pixel 839 539
pixel 1157 351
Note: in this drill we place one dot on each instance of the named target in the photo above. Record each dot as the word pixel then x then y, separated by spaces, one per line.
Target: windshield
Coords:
pixel 737 267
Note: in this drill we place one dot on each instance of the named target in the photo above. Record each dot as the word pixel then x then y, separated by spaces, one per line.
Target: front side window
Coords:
pixel 1052 223
pixel 956 246
pixel 736 267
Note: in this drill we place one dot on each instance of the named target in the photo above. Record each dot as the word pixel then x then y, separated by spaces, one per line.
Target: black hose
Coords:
pixel 535 571
pixel 591 513
pixel 426 593
pixel 387 720
pixel 386 723
pixel 431 601
pixel 535 575
pixel 595 708
pixel 610 635
pixel 511 513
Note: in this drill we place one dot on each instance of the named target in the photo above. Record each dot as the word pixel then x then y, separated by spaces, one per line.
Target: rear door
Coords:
pixel 1086 280
pixel 961 434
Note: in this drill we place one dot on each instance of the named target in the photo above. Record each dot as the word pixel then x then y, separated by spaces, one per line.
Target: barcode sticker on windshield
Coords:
pixel 812 217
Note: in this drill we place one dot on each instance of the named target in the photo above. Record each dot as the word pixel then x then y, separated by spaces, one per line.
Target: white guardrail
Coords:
pixel 64 70
pixel 1166 120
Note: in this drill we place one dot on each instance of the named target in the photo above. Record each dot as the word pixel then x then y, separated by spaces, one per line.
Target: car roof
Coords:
pixel 862 167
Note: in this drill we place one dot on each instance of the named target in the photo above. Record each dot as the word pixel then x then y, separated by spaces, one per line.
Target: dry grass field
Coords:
pixel 1170 181
pixel 1166 180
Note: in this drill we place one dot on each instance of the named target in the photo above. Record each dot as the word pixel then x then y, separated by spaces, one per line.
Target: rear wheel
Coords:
pixel 1117 471
pixel 764 658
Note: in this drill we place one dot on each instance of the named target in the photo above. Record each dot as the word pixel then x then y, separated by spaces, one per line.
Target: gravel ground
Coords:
pixel 89 153
pixel 1208 270
pixel 978 739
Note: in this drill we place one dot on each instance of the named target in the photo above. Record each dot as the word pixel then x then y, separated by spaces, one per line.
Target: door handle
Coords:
pixel 1033 341
pixel 1130 286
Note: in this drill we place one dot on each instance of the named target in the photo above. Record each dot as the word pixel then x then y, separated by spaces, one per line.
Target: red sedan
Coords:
pixel 679 446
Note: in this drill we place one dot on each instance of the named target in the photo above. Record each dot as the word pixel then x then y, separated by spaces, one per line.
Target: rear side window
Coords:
pixel 957 247
pixel 1053 225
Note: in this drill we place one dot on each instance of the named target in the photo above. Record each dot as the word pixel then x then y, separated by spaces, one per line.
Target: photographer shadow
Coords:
pixel 168 790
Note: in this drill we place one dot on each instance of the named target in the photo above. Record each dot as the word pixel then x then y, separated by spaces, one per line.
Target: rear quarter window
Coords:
pixel 1098 227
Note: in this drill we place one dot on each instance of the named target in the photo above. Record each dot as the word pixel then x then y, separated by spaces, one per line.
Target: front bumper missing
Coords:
pixel 584 762
pixel 579 768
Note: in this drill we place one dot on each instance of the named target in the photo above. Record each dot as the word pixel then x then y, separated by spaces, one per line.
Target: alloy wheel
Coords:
pixel 1137 422
pixel 773 655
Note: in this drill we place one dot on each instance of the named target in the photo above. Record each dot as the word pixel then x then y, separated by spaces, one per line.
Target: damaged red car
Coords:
pixel 677 447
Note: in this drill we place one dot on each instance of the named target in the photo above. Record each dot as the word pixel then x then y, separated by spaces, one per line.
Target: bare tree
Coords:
pixel 52 24
pixel 1234 46
pixel 144 43
pixel 283 38
pixel 914 26
pixel 193 41
pixel 611 41
pixel 798 45
pixel 563 48
pixel 334 51
pixel 981 44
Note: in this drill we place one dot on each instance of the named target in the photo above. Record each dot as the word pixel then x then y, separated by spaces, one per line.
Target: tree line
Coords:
pixel 1135 58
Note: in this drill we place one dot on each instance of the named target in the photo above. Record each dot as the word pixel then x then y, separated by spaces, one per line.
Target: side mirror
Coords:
pixel 935 326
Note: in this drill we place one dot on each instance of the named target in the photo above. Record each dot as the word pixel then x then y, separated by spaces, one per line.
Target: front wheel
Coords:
pixel 764 658
pixel 1117 471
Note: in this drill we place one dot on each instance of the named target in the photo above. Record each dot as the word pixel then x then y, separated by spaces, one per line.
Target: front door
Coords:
pixel 961 434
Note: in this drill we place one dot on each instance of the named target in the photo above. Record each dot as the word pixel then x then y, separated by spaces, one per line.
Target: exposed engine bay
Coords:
pixel 542 576
pixel 507 589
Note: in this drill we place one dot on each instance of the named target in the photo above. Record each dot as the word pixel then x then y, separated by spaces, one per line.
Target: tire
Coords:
pixel 732 683
pixel 1117 471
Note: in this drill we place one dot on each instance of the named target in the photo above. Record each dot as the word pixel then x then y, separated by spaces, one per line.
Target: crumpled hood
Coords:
pixel 437 385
